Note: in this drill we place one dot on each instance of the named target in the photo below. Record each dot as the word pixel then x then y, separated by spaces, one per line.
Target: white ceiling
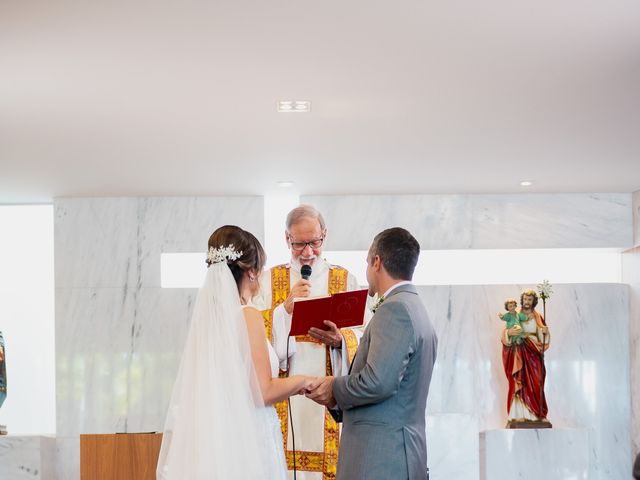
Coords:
pixel 172 97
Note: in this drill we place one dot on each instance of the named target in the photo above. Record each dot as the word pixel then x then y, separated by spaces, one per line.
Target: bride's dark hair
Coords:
pixel 253 256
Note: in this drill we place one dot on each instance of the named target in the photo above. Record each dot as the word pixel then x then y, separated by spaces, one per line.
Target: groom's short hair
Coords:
pixel 398 250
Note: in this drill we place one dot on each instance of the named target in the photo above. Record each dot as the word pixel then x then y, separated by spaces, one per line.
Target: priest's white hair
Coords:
pixel 304 211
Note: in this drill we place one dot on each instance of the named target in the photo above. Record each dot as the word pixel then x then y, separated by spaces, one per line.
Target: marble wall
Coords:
pixel 587 363
pixel 631 275
pixel 636 218
pixel 516 221
pixel 481 221
pixel 118 334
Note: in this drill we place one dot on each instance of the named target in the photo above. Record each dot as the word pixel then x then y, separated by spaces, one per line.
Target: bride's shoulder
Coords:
pixel 253 318
pixel 252 314
pixel 251 310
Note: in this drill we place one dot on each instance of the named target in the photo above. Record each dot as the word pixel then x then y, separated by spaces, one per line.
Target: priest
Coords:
pixel 319 353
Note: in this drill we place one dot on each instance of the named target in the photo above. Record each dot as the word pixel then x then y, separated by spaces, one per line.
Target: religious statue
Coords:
pixel 525 338
pixel 3 372
pixel 513 318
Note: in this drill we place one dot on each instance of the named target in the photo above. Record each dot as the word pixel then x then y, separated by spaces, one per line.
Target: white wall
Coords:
pixel 27 318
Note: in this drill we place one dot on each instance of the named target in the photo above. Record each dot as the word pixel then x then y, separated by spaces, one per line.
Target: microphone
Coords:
pixel 305 272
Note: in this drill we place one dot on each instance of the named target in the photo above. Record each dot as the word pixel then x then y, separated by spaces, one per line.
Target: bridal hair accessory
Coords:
pixel 223 254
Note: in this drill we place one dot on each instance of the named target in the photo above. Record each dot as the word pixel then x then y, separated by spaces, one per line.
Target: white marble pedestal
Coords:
pixel 27 457
pixel 550 454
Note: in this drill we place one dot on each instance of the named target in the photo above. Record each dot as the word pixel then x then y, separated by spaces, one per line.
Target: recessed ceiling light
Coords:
pixel 526 183
pixel 285 183
pixel 294 106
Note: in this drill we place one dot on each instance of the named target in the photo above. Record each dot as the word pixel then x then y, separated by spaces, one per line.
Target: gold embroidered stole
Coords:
pixel 351 342
pixel 280 287
pixel 325 462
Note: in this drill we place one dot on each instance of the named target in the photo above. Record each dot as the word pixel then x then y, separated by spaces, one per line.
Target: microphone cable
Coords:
pixel 293 435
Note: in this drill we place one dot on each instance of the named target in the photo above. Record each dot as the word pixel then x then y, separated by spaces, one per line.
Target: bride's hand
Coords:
pixel 309 383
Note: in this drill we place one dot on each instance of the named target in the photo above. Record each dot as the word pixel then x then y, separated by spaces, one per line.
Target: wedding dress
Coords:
pixel 278 465
pixel 217 425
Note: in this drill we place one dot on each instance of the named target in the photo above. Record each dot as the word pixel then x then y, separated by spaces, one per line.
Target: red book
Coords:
pixel 345 309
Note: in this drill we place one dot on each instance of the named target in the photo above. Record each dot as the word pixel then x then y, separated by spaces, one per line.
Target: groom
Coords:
pixel 382 401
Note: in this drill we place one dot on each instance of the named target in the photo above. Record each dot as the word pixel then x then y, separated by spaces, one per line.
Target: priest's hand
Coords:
pixel 322 392
pixel 300 289
pixel 331 337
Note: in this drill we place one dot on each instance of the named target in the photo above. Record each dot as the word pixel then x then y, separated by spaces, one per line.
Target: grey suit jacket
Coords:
pixel 382 401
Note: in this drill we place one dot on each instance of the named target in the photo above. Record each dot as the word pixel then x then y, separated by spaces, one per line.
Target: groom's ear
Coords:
pixel 377 263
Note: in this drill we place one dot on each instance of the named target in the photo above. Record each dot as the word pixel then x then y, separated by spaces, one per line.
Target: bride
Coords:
pixel 221 422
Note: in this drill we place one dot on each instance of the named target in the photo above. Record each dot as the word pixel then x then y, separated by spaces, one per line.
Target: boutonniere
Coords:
pixel 377 304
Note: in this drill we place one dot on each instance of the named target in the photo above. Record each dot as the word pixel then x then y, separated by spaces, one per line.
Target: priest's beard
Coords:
pixel 296 264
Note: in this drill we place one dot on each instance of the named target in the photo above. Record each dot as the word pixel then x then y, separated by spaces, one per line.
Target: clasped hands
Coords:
pixel 320 390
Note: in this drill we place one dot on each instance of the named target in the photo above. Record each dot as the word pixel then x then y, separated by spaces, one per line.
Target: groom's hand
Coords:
pixel 322 392
pixel 313 384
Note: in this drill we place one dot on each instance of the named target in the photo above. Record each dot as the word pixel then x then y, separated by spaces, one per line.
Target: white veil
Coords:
pixel 214 427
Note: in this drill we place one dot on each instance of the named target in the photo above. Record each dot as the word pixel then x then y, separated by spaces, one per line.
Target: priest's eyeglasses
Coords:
pixel 300 246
